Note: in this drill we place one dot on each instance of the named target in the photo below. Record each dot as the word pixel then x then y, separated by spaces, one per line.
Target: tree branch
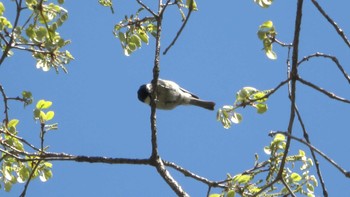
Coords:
pixel 306 137
pixel 329 94
pixel 333 58
pixel 190 9
pixel 332 22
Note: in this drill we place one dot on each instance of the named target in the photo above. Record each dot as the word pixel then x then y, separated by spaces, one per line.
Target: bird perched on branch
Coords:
pixel 171 95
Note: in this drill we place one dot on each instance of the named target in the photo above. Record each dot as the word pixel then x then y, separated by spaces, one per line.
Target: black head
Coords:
pixel 143 93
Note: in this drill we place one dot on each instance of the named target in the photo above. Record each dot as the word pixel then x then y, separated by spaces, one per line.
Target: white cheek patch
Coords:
pixel 147 100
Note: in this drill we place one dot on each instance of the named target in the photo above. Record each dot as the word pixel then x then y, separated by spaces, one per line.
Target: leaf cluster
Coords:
pixel 264 175
pixel 247 96
pixel 14 170
pixel 38 34
pixel 266 34
pixel 136 31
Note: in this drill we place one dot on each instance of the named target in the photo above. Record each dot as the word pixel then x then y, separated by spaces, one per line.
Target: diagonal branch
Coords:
pixel 190 9
pixel 194 176
pixel 329 94
pixel 332 22
pixel 146 7
pixel 306 137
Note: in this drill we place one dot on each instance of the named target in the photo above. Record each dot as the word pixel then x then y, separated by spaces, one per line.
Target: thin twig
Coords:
pixel 5 104
pixel 332 22
pixel 333 58
pixel 29 179
pixel 164 7
pixel 288 188
pixel 9 44
pixel 146 7
pixel 193 175
pixel 329 94
pixel 306 137
pixel 190 9
pixel 20 139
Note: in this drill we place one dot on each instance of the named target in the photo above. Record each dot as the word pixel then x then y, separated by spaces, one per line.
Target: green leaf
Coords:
pixel 136 40
pixel 8 186
pixel 4 23
pixel 231 193
pixel 42 104
pixel 13 123
pixel 45 175
pixel 266 26
pixel 42 117
pixel 132 46
pixel 271 55
pixel 310 187
pixel 121 37
pixel 259 95
pixel 267 150
pixel 261 108
pixel 41 33
pixel 23 174
pixel 37 113
pixel 236 118
pixel 279 138
pixel 27 94
pixel 295 177
pixel 49 115
pixel 2 8
pixel 263 3
pixel 143 35
pixel 60 1
pixel 215 195
pixel 193 6
pixel 242 179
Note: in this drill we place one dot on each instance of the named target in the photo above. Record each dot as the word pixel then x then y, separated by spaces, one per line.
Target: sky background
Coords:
pixel 217 54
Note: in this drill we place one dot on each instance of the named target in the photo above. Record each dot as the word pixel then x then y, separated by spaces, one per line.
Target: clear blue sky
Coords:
pixel 217 54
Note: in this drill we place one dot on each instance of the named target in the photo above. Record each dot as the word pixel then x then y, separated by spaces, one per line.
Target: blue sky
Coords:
pixel 217 54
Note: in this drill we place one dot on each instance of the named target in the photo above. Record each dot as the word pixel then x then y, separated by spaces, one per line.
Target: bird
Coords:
pixel 171 95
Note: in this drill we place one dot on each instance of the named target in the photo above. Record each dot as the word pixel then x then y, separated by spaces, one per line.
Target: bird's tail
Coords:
pixel 205 104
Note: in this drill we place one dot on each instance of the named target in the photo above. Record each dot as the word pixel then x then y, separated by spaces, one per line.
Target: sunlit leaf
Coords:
pixel 13 123
pixel 49 115
pixel 295 177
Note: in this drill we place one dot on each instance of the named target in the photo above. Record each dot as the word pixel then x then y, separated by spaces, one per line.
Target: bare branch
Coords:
pixel 5 104
pixel 329 94
pixel 288 188
pixel 190 9
pixel 147 8
pixel 306 136
pixel 332 22
pixel 194 176
pixel 333 58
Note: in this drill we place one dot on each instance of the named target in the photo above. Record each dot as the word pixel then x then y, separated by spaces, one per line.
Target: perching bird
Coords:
pixel 171 95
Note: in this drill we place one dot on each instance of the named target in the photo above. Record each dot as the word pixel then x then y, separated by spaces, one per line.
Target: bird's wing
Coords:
pixel 186 91
pixel 172 85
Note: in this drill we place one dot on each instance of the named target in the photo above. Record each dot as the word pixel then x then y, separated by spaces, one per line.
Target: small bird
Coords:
pixel 171 95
